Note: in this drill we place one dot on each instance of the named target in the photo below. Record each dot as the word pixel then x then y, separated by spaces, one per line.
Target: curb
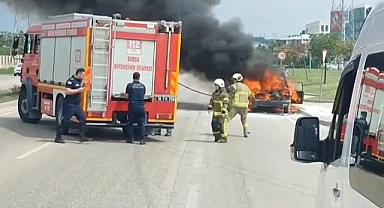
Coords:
pixel 5 92
pixel 318 101
pixel 305 113
pixel 8 103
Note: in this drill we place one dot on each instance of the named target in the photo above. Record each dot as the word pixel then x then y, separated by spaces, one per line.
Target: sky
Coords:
pixel 269 18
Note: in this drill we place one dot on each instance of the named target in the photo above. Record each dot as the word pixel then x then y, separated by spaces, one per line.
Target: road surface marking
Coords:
pixel 9 113
pixel 193 196
pixel 33 151
pixel 198 158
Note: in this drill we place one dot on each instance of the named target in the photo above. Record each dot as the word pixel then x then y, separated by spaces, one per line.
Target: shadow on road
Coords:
pixel 44 131
pixel 208 134
pixel 238 169
pixel 202 141
pixel 192 106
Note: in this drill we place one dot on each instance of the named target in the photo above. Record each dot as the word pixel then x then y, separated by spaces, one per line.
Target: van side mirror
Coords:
pixel 306 141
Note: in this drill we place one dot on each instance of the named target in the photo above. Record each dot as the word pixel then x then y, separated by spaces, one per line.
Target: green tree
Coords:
pixel 343 51
pixel 290 51
pixel 6 41
pixel 320 42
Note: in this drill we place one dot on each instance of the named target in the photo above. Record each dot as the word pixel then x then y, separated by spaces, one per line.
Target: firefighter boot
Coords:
pixel 59 140
pixel 83 138
pixel 142 141
pixel 130 140
pixel 246 132
pixel 169 133
pixel 217 138
pixel 224 140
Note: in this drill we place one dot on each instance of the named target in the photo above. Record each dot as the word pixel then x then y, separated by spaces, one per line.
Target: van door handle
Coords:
pixel 336 191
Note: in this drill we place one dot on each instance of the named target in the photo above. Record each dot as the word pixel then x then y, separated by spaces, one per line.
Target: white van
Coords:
pixel 352 155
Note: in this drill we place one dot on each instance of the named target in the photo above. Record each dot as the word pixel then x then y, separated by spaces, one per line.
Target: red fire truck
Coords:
pixel 111 50
pixel 371 109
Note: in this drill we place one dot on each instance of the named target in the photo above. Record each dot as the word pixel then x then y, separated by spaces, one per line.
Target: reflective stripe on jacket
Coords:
pixel 241 95
pixel 219 102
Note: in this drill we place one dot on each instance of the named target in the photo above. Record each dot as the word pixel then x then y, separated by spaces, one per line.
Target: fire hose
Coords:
pixel 193 90
pixel 199 92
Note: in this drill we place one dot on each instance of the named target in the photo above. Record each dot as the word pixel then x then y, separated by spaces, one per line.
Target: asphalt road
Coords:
pixel 185 170
pixel 7 82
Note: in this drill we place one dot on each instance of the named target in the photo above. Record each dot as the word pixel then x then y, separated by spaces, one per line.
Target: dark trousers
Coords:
pixel 68 112
pixel 136 114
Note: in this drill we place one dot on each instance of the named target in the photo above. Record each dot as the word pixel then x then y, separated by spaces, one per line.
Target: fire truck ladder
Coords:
pixel 100 64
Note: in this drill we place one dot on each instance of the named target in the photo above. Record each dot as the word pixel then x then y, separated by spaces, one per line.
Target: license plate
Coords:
pixel 165 98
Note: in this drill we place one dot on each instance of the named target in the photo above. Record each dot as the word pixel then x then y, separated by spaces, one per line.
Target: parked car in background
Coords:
pixel 332 66
pixel 17 69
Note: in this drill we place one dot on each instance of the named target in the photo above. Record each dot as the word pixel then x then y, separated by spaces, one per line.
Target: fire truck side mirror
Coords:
pixel 15 44
pixel 305 147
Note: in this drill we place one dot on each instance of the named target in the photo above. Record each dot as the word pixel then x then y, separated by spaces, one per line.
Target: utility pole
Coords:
pixel 15 31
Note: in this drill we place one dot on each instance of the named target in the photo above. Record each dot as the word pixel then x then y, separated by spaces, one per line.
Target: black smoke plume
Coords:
pixel 208 46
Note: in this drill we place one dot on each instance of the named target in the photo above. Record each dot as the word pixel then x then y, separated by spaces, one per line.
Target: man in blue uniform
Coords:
pixel 73 90
pixel 135 92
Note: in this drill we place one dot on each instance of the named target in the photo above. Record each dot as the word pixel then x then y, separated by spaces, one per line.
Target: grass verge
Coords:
pixel 312 82
pixel 8 97
pixel 11 96
pixel 6 70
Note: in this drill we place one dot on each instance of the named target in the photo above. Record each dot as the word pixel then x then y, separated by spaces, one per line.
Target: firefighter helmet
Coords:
pixel 238 77
pixel 219 82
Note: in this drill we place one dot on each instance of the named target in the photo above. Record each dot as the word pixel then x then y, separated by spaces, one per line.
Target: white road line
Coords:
pixel 33 151
pixel 193 196
pixel 198 158
pixel 9 113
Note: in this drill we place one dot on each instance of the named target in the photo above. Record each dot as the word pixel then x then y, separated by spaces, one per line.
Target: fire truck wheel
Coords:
pixel 22 108
pixel 59 109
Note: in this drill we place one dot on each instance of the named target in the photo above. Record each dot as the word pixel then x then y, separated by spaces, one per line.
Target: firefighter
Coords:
pixel 135 93
pixel 240 97
pixel 219 103
pixel 71 107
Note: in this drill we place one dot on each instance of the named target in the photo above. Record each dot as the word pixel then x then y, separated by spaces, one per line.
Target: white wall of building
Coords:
pixel 317 27
pixel 295 39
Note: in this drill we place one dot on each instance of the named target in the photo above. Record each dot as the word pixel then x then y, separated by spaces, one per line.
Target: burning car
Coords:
pixel 274 91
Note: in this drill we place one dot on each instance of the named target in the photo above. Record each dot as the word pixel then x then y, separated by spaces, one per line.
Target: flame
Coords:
pixel 272 82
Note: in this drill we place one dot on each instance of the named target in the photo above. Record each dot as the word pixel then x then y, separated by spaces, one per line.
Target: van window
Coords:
pixel 341 108
pixel 367 149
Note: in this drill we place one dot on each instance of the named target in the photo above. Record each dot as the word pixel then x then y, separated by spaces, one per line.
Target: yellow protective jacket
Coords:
pixel 240 95
pixel 219 102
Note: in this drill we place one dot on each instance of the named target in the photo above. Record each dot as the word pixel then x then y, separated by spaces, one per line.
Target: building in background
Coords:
pixel 354 19
pixel 346 18
pixel 294 39
pixel 317 27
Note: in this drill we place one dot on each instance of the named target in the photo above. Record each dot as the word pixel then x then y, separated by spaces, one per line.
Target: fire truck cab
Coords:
pixel 352 170
pixel 110 50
